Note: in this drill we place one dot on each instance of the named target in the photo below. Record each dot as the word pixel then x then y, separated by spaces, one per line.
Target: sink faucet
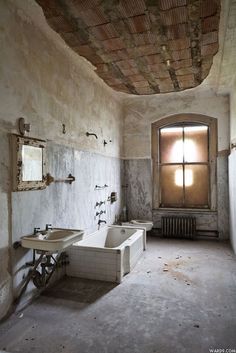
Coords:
pixel 48 226
pixel 36 230
pixel 101 221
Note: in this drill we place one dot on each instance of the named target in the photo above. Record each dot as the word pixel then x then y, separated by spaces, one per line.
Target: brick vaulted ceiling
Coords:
pixel 140 46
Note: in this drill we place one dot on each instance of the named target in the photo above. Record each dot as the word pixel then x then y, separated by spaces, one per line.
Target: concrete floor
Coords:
pixel 190 308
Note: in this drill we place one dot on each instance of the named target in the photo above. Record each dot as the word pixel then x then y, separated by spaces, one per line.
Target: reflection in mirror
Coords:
pixel 32 163
pixel 28 163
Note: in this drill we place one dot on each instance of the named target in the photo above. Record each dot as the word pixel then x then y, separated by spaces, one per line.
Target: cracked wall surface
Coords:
pixel 49 85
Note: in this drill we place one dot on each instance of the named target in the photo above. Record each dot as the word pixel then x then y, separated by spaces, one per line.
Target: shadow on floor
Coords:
pixel 79 290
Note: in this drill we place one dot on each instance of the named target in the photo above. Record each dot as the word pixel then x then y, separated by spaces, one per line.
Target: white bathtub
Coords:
pixel 107 254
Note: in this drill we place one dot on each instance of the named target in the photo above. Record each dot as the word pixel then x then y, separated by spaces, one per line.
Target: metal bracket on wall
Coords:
pixel 23 127
pixel 50 179
pixel 98 187
pixel 233 145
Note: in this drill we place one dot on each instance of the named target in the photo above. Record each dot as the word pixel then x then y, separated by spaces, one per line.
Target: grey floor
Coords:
pixel 181 297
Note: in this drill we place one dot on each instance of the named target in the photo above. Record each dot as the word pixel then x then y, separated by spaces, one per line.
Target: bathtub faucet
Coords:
pixel 101 221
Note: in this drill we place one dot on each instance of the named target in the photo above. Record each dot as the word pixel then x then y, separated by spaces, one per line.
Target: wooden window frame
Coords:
pixel 178 119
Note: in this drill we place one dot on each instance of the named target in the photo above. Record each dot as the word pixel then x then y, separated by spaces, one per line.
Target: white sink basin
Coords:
pixel 55 239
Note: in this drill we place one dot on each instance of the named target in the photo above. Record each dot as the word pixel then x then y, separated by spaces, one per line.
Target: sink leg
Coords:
pixel 28 278
pixel 56 261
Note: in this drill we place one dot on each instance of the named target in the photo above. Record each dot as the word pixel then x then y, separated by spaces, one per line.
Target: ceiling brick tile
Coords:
pixel 176 31
pixel 130 8
pixel 154 59
pixel 209 38
pixel 185 81
pixel 72 39
pixel 102 67
pixel 60 24
pixel 121 88
pixel 138 24
pixel 113 44
pixel 181 54
pixel 84 50
pixel 168 4
pixel 210 24
pixel 181 64
pixel 104 32
pixel 95 59
pixel 130 72
pixel 50 7
pixel 210 49
pixel 136 78
pixel 113 81
pixel 174 16
pixel 140 84
pixel 126 64
pixel 161 73
pixel 143 50
pixel 94 17
pixel 209 8
pixel 144 90
pixel 178 44
pixel 165 84
pixel 185 71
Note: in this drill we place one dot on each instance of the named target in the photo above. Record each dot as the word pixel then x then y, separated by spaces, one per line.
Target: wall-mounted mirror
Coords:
pixel 28 163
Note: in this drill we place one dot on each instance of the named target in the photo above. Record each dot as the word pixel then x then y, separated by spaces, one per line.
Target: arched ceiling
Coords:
pixel 141 46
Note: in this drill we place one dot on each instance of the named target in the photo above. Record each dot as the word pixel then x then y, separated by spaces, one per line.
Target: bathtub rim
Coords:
pixel 117 248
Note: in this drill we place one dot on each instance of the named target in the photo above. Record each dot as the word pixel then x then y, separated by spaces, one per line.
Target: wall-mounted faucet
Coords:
pixel 91 134
pixel 36 230
pixel 101 221
pixel 100 213
pixel 100 203
pixel 48 227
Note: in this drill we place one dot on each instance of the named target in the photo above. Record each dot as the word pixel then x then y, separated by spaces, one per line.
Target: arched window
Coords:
pixel 184 162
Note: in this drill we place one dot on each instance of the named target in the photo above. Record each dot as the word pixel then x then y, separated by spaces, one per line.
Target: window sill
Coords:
pixel 189 210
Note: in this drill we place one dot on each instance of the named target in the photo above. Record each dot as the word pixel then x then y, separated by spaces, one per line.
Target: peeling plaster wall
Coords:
pixel 45 82
pixel 232 167
pixel 140 113
pixel 233 113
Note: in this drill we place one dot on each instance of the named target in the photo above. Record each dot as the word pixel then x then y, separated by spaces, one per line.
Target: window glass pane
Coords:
pixel 196 143
pixel 196 185
pixel 172 186
pixel 171 145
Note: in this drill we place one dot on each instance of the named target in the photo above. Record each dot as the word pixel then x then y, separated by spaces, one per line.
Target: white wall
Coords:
pixel 49 85
pixel 140 113
pixel 232 167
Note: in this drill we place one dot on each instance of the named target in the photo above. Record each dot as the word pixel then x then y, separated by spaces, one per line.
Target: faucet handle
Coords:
pixel 48 226
pixel 36 230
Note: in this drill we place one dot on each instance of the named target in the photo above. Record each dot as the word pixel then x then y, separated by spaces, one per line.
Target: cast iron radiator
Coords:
pixel 178 227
